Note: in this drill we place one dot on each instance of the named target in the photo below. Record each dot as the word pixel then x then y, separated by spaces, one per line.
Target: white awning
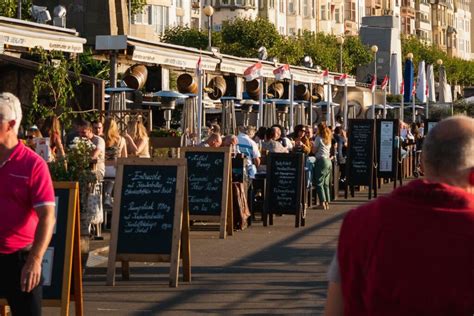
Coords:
pixel 170 55
pixel 18 33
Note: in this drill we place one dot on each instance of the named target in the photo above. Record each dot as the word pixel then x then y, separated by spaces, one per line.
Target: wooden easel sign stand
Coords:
pixel 150 217
pixel 209 185
pixel 61 269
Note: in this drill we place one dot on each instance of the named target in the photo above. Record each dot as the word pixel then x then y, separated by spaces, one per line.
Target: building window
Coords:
pixel 143 17
pixel 225 2
pixel 271 4
pixel 282 6
pixel 160 18
pixel 291 31
pixel 291 6
pixel 239 2
pixel 305 8
pixel 337 15
pixel 179 20
pixel 179 3
pixel 323 12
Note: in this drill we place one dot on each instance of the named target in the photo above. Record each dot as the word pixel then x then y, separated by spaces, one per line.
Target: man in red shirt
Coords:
pixel 27 216
pixel 412 252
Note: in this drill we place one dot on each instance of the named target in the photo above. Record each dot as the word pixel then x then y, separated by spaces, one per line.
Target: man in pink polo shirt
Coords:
pixel 26 214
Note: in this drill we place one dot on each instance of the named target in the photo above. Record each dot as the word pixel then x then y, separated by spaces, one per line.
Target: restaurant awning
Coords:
pixel 16 33
pixel 170 55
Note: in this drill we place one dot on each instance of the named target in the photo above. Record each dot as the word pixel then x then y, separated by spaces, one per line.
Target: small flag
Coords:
pixel 413 91
pixel 198 67
pixel 282 72
pixel 402 87
pixel 253 72
pixel 384 84
pixel 326 75
pixel 373 84
pixel 342 78
pixel 427 90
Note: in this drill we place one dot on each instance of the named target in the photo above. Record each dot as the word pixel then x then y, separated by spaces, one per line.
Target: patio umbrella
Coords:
pixel 421 82
pixel 395 74
pixel 408 80
pixel 430 81
pixel 228 115
pixel 444 89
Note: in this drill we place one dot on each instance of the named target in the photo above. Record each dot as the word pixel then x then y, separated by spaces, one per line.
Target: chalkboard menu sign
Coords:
pixel 61 266
pixel 284 189
pixel 360 151
pixel 148 211
pixel 205 182
pixel 387 151
pixel 428 125
pixel 209 184
pixel 53 260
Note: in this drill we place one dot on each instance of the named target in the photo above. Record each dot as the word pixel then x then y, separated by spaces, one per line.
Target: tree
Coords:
pixel 56 77
pixel 186 36
pixel 93 67
pixel 289 51
pixel 8 8
pixel 137 6
pixel 243 37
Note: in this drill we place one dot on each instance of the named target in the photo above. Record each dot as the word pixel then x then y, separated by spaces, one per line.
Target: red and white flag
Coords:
pixel 326 75
pixel 384 84
pixel 373 84
pixel 413 91
pixel 198 70
pixel 402 87
pixel 253 72
pixel 342 78
pixel 282 72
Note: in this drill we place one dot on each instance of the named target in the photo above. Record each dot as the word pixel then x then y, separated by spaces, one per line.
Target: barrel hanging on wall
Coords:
pixel 276 89
pixel 302 92
pixel 187 84
pixel 135 77
pixel 217 87
pixel 253 88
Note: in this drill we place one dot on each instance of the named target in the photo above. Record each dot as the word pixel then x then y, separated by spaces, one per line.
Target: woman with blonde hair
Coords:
pixel 137 140
pixel 323 166
pixel 115 147
pixel 55 142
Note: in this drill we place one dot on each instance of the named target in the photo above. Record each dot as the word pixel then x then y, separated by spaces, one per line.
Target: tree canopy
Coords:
pixel 243 38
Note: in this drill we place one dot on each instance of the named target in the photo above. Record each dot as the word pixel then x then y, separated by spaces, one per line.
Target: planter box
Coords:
pixel 165 147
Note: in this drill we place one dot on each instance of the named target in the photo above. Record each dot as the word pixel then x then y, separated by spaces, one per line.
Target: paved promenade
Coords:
pixel 278 269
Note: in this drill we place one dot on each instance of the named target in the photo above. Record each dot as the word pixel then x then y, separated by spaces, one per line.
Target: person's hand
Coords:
pixel 30 274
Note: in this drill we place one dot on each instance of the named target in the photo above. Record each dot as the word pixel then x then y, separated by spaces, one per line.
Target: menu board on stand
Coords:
pixel 361 167
pixel 150 217
pixel 285 187
pixel 209 177
pixel 61 267
pixel 387 149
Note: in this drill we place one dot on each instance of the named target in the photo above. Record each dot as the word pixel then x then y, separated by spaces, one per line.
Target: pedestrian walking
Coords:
pixel 27 214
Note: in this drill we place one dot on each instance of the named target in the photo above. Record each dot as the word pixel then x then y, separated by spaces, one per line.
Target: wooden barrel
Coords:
pixel 276 89
pixel 187 84
pixel 135 76
pixel 302 92
pixel 218 86
pixel 253 88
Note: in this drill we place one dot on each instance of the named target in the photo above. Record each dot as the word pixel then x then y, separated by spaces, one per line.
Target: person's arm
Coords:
pixel 123 148
pixel 334 303
pixel 31 272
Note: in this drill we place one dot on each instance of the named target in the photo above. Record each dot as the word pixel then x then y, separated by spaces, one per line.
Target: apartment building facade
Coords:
pixel 444 23
pixel 463 28
pixel 423 21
